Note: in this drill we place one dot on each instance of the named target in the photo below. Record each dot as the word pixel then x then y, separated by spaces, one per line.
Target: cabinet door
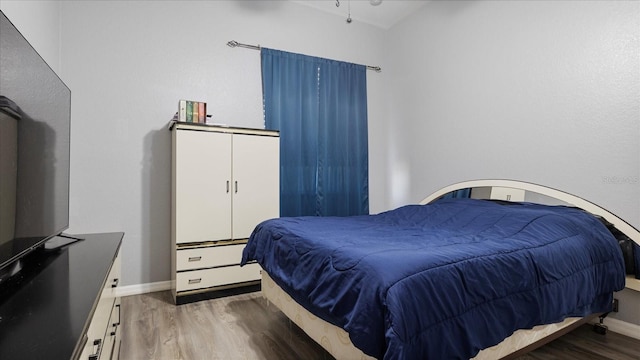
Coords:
pixel 256 187
pixel 202 186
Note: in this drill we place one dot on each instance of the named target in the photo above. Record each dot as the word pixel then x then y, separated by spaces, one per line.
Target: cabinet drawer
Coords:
pixel 213 256
pixel 201 279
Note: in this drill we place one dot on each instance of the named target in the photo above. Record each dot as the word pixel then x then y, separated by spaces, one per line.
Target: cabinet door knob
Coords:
pixel 195 281
pixel 236 183
pixel 227 186
pixel 195 258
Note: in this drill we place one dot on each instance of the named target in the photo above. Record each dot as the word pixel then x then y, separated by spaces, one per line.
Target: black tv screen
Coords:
pixel 35 111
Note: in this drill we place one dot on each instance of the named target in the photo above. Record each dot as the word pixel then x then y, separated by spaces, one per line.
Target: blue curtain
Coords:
pixel 320 108
pixel 458 194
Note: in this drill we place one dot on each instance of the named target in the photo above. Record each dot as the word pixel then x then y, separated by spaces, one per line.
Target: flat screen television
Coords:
pixel 35 113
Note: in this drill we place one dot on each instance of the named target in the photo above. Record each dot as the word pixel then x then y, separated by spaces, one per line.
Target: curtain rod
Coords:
pixel 234 44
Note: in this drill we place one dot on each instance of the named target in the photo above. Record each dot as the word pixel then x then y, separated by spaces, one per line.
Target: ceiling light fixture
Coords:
pixel 349 20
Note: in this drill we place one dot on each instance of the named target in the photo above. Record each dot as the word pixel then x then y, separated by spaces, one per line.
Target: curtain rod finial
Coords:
pixel 232 43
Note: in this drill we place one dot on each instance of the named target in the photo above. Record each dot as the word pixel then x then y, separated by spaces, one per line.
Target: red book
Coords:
pixel 202 112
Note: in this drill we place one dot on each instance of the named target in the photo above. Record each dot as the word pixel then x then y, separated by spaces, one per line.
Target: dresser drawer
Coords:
pixel 111 347
pixel 201 279
pixel 100 343
pixel 113 279
pixel 189 259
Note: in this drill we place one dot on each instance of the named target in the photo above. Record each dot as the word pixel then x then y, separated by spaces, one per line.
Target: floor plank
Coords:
pixel 246 327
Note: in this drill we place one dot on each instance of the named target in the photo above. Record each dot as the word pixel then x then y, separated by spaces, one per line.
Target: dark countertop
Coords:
pixel 44 308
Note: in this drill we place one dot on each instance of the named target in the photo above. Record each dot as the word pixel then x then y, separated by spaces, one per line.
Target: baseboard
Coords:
pixel 622 327
pixel 138 289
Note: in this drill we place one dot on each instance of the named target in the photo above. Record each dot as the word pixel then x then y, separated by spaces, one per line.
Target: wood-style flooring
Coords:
pixel 246 327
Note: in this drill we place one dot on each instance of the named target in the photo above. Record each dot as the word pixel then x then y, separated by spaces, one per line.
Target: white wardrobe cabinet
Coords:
pixel 225 181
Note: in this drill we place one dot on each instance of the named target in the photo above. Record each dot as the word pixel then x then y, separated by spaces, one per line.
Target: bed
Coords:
pixel 449 278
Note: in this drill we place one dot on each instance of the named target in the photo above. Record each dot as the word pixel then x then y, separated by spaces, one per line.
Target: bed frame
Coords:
pixel 336 341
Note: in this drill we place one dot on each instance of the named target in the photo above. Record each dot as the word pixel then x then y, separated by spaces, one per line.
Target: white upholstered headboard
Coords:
pixel 512 190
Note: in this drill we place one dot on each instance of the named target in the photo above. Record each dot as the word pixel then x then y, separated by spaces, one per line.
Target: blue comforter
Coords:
pixel 444 280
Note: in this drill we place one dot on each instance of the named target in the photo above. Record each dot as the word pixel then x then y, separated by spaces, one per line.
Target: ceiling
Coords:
pixel 384 15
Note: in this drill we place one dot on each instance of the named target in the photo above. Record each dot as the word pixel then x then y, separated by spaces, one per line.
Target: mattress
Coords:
pixel 443 280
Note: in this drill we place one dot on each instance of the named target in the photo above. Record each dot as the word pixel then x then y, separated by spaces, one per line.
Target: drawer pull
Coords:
pixel 118 308
pixel 195 258
pixel 195 281
pixel 115 328
pixel 115 283
pixel 98 347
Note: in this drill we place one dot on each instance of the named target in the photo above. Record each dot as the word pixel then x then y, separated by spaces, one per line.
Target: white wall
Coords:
pixel 128 64
pixel 541 91
pixel 39 23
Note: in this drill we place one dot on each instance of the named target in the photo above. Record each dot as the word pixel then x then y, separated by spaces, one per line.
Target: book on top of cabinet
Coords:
pixel 192 111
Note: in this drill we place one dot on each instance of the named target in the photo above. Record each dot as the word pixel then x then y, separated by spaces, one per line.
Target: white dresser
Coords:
pixel 103 334
pixel 225 181
pixel 63 303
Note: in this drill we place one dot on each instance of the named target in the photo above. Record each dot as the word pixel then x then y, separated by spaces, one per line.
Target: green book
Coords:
pixel 189 111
